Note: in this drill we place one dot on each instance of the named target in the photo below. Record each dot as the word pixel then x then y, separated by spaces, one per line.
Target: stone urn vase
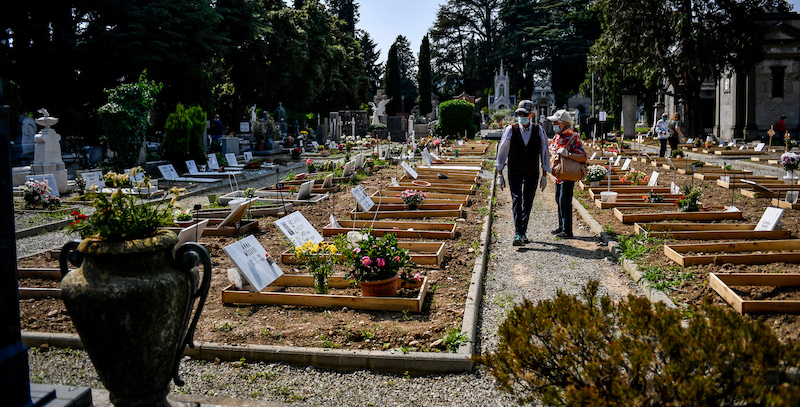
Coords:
pixel 131 303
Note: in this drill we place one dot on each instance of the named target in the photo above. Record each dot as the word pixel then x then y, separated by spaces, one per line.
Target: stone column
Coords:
pixel 47 156
pixel 629 112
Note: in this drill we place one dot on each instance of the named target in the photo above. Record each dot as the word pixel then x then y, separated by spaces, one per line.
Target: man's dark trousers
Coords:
pixel 523 190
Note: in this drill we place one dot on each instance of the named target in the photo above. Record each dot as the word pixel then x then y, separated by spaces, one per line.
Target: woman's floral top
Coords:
pixel 560 141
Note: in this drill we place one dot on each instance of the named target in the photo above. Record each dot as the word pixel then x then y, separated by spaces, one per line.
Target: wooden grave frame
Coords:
pixel 705 231
pixel 722 282
pixel 407 229
pixel 757 252
pixel 700 216
pixel 462 189
pixel 255 210
pixel 233 296
pixel 594 192
pixel 427 253
pixel 397 211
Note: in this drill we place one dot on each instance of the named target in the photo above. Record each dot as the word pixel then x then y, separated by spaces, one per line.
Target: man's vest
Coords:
pixel 522 159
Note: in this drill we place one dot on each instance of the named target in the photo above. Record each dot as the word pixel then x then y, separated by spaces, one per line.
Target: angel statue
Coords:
pixel 377 111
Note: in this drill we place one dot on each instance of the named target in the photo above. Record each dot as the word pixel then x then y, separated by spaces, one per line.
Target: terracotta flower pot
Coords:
pixel 380 288
pixel 131 303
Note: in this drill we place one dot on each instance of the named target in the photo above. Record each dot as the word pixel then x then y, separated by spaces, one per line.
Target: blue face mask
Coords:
pixel 524 121
pixel 557 128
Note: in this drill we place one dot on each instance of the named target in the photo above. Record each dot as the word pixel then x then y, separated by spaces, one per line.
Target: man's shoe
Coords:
pixel 555 231
pixel 518 241
pixel 525 239
pixel 564 235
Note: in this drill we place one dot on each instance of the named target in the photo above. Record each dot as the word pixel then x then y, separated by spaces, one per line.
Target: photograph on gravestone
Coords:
pixel 251 260
pixel 297 229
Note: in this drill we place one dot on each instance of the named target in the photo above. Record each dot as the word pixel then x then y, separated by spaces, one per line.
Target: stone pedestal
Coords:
pixel 230 145
pixel 18 175
pixel 47 154
pixel 395 127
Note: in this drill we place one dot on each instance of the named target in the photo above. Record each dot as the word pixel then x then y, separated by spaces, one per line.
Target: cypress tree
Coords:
pixel 393 82
pixel 425 83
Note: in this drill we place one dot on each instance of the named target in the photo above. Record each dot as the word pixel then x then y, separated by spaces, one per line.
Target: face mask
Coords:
pixel 557 128
pixel 524 121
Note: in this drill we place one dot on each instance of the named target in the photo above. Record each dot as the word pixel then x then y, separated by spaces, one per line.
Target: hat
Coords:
pixel 560 116
pixel 525 107
pixel 664 115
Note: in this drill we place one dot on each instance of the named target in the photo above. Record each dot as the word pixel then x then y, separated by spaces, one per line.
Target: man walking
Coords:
pixel 524 148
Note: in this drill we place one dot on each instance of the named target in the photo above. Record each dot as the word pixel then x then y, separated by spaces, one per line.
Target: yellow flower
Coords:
pixel 332 249
pixel 298 251
pixel 117 194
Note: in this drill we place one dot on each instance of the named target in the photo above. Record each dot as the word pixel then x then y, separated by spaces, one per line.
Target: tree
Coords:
pixel 372 68
pixel 407 66
pixel 455 119
pixel 425 84
pixel 183 135
pixel 684 41
pixel 392 81
pixel 347 10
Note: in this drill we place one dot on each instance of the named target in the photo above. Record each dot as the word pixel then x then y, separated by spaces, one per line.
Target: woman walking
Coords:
pixel 566 143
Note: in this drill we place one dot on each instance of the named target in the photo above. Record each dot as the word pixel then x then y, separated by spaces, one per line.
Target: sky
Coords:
pixel 384 20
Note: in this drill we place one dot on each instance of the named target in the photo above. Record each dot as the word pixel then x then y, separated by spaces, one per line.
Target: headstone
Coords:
pixel 191 233
pixel 297 229
pixel 252 261
pixel 732 143
pixel 616 162
pixel 248 156
pixel 725 178
pixel 50 179
pixel 363 200
pixel 674 189
pixel 135 179
pixel 626 165
pixel 47 153
pixel 732 209
pixel 593 155
pixel 741 148
pixel 690 141
pixel 168 172
pixel 231 157
pixel 426 158
pixel 94 178
pixel 394 182
pixel 348 169
pixel 334 222
pixel 760 146
pixel 328 183
pixel 629 107
pixel 410 171
pixel 653 179
pixel 769 220
pixel 359 161
pixel 192 167
pixel 395 127
pixel 304 192
pixel 212 162
pixel 791 197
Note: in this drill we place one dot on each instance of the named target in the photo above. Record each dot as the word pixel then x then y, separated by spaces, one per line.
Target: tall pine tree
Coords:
pixel 392 82
pixel 425 84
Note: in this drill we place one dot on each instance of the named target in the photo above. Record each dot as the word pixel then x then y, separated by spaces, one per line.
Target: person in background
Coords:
pixel 217 130
pixel 675 133
pixel 523 147
pixel 780 126
pixel 566 143
pixel 662 134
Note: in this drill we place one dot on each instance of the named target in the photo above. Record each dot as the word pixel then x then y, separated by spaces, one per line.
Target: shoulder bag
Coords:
pixel 567 169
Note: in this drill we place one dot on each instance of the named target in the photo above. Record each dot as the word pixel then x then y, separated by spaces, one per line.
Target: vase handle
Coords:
pixel 69 254
pixel 187 257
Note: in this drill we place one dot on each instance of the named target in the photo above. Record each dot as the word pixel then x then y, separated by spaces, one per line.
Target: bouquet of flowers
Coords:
pixel 377 258
pixel 635 177
pixel 676 153
pixel 310 167
pixel 688 202
pixel 596 173
pixel 319 258
pixel 790 161
pixel 183 216
pixel 653 197
pixel 37 194
pixel 699 164
pixel 412 197
pixel 698 143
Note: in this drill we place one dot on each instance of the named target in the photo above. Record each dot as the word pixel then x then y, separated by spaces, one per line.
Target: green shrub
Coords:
pixel 125 119
pixel 596 352
pixel 183 135
pixel 456 117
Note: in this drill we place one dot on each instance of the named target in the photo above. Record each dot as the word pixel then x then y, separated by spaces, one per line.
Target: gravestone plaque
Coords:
pixel 594 154
pixel 760 146
pixel 248 156
pixel 348 169
pixel 395 126
pixel 297 229
pixel 212 162
pixel 304 192
pixel 192 233
pixel 328 183
pixel 231 157
pixel 192 167
pixel 626 165
pixel 168 171
pixel 791 197
pixel 674 189
pixel 94 178
pixel 426 158
pixel 252 261
pixel 653 180
pixel 410 171
pixel 616 162
pixel 364 201
pixel 769 220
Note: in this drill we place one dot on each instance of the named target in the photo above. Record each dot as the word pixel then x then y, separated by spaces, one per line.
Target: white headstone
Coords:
pixel 616 162
pixel 732 143
pixel 304 192
pixel 689 141
pixel 50 179
pixel 334 222
pixel 248 156
pixel 674 189
pixel 328 183
pixel 791 197
pixel 348 169
pixel 251 259
pixel 135 179
pixel 94 178
pixel 192 233
pixel 212 162
pixel 594 154
pixel 426 158
pixel 653 179
pixel 741 148
pixel 394 182
pixel 192 167
pixel 725 178
pixel 363 200
pixel 410 171
pixel 231 158
pixel 760 146
pixel 168 171
pixel 769 219
pixel 626 165
pixel 732 209
pixel 297 229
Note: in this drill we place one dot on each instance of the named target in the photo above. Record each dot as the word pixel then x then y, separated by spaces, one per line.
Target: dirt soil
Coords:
pixel 314 327
pixel 691 283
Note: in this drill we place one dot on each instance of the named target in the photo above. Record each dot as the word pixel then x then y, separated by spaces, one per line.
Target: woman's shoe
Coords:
pixel 518 241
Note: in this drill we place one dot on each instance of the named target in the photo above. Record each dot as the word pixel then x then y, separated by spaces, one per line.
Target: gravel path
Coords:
pixel 535 272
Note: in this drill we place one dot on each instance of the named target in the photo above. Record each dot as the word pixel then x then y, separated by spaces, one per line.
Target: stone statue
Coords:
pixel 378 110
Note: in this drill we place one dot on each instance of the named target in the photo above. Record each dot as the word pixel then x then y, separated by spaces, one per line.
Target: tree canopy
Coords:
pixel 425 83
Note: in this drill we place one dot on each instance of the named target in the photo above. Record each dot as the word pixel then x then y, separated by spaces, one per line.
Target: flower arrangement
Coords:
pixel 253 164
pixel 699 164
pixel 728 168
pixel 596 173
pixel 183 216
pixel 319 259
pixel 653 197
pixel 634 177
pixel 36 194
pixel 412 197
pixel 676 153
pixel 790 161
pixel 121 217
pixel 248 193
pixel 709 144
pixel 698 143
pixel 688 202
pixel 310 167
pixel 376 258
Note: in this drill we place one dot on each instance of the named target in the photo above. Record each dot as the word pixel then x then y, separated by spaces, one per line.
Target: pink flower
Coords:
pixel 357 250
pixel 308 161
pixel 366 261
pixel 418 277
pixel 436 142
pixel 396 258
pixel 381 262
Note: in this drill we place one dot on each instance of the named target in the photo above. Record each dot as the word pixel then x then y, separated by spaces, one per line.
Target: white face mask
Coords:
pixel 524 121
pixel 557 128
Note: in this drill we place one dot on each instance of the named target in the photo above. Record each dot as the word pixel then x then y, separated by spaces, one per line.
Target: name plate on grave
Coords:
pixel 297 229
pixel 769 220
pixel 410 171
pixel 364 201
pixel 253 262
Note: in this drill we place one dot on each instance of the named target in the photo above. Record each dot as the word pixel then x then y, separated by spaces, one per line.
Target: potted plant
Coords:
pixel 377 264
pixel 259 134
pixel 676 153
pixel 790 163
pixel 413 198
pixel 595 174
pixel 131 297
pixel 183 218
pixel 319 259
